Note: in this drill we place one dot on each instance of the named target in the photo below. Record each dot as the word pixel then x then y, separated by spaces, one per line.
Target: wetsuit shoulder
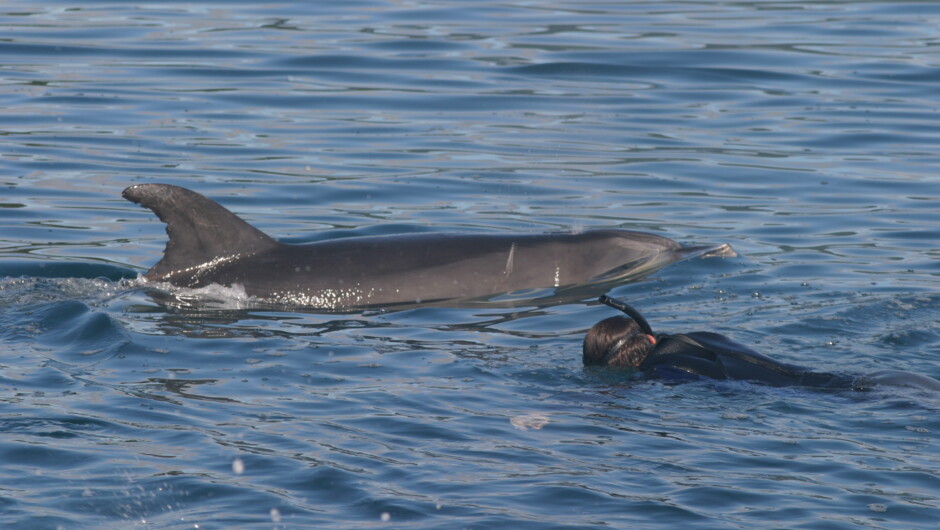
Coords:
pixel 720 344
pixel 743 363
pixel 681 356
pixel 715 356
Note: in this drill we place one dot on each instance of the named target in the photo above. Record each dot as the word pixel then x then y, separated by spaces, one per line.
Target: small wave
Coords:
pixel 26 291
pixel 63 269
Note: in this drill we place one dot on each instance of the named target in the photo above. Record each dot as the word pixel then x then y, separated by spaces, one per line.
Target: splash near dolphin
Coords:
pixel 210 245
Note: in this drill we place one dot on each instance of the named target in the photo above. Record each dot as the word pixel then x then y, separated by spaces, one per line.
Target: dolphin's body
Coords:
pixel 210 245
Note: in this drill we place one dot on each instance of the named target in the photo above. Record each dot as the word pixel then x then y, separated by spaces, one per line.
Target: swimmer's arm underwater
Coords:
pixel 684 367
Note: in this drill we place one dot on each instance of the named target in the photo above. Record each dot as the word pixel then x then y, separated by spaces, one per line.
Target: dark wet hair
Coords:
pixel 616 342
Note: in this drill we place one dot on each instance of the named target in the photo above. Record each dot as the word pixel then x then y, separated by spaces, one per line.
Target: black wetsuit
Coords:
pixel 702 354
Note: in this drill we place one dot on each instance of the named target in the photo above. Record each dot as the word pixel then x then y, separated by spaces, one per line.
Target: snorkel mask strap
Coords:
pixel 627 310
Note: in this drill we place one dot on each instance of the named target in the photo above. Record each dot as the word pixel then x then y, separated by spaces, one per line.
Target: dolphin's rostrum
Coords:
pixel 210 245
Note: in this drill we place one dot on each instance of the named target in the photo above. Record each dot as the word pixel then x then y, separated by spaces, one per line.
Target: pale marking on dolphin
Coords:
pixel 509 260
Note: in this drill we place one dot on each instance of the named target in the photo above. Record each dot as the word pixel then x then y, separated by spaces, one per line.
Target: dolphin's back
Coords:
pixel 430 267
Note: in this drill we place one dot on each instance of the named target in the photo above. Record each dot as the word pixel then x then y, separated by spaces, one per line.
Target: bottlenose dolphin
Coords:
pixel 210 245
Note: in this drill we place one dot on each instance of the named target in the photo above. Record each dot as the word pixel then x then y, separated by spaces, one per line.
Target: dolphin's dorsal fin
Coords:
pixel 200 229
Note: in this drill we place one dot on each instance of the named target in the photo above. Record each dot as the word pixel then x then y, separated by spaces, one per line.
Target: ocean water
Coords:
pixel 804 134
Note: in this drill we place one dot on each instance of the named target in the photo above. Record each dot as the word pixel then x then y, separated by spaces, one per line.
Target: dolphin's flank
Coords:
pixel 210 245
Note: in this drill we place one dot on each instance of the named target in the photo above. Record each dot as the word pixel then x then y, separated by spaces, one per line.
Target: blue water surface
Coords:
pixel 805 134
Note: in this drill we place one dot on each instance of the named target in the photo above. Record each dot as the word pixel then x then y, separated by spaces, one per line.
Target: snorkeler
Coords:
pixel 629 343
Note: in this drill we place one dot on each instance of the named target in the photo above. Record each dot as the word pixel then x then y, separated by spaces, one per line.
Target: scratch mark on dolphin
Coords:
pixel 509 260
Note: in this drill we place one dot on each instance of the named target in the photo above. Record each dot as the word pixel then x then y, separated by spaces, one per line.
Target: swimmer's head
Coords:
pixel 616 342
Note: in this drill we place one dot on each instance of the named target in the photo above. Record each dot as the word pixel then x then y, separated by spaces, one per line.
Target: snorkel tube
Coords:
pixel 626 309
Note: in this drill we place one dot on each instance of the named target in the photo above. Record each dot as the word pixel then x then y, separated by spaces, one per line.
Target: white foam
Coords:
pixel 214 295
